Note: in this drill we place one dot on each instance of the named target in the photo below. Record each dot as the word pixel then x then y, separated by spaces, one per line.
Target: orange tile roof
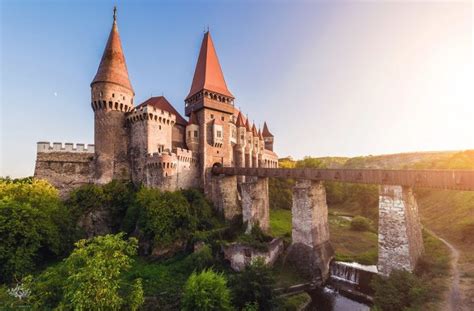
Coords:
pixel 112 66
pixel 247 126
pixel 266 132
pixel 208 73
pixel 240 121
pixel 254 131
pixel 162 103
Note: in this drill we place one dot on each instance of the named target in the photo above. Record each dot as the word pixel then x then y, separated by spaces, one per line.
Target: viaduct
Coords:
pixel 399 230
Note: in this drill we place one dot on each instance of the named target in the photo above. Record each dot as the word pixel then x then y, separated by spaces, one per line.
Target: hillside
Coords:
pixel 450 214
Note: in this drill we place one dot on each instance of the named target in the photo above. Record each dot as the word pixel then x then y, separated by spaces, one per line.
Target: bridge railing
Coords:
pixel 439 179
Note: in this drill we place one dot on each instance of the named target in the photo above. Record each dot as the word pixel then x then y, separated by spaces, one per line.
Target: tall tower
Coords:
pixel 112 97
pixel 211 101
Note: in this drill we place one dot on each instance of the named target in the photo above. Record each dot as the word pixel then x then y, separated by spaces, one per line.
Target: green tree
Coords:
pixel 255 285
pixel 206 291
pixel 360 223
pixel 34 227
pixel 94 270
pixel 165 216
pixel 400 291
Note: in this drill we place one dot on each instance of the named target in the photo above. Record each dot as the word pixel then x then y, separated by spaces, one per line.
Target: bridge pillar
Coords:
pixel 255 203
pixel 400 239
pixel 310 249
pixel 224 195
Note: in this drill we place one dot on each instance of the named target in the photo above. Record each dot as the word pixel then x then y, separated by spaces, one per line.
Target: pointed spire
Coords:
pixel 254 130
pixel 240 121
pixel 193 119
pixel 266 132
pixel 112 66
pixel 248 128
pixel 208 73
pixel 260 134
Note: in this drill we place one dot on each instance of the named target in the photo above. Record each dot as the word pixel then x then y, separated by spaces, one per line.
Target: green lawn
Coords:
pixel 349 245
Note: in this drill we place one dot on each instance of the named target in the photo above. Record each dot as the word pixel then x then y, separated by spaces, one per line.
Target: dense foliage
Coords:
pixel 255 285
pixel 206 291
pixel 94 269
pixel 165 216
pixel 34 227
pixel 400 291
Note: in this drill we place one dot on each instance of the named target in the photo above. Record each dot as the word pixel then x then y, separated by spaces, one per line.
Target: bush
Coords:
pixel 360 223
pixel 200 209
pixel 201 259
pixel 165 216
pixel 255 285
pixel 34 227
pixel 206 291
pixel 115 197
pixel 402 290
pixel 94 269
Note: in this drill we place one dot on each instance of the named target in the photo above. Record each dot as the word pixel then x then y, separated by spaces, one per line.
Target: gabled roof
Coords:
pixel 112 66
pixel 240 121
pixel 266 132
pixel 208 73
pixel 193 119
pixel 160 102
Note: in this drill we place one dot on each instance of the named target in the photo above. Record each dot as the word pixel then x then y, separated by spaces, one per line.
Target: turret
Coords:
pixel 267 137
pixel 112 97
pixel 192 133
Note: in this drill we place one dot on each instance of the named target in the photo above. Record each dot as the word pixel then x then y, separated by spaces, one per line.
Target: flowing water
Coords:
pixel 347 280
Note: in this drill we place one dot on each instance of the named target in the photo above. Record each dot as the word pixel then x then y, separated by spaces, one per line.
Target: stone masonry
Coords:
pixel 400 239
pixel 310 250
pixel 255 204
pixel 151 144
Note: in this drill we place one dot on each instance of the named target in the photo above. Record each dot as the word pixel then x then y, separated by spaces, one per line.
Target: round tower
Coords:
pixel 112 97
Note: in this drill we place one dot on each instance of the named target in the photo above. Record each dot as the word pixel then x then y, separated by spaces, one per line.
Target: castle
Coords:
pixel 151 143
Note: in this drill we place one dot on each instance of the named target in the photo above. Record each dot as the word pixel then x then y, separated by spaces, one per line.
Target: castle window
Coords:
pixel 123 97
pixel 101 94
pixel 195 133
pixel 160 127
pixel 113 95
pixel 222 118
pixel 219 134
pixel 212 116
pixel 110 105
pixel 189 133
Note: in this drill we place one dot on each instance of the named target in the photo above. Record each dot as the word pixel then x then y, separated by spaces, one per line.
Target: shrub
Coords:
pixel 200 209
pixel 255 285
pixel 165 216
pixel 206 291
pixel 201 259
pixel 94 269
pixel 400 291
pixel 360 223
pixel 115 197
pixel 34 227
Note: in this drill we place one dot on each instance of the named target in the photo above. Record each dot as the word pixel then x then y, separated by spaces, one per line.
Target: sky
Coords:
pixel 331 78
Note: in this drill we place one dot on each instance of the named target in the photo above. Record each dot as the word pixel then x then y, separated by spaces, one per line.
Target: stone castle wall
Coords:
pixel 66 167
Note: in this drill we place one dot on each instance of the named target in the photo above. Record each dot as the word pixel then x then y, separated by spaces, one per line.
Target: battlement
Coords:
pixel 152 114
pixel 46 147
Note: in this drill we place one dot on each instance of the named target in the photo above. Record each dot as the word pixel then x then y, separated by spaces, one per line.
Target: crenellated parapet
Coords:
pixel 151 114
pixel 47 147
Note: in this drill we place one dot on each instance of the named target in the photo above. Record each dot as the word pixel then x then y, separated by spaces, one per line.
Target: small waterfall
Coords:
pixel 345 272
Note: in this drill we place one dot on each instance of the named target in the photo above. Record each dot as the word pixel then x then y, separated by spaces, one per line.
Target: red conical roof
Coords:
pixel 208 74
pixel 254 131
pixel 247 126
pixel 266 132
pixel 193 119
pixel 112 66
pixel 240 121
pixel 260 134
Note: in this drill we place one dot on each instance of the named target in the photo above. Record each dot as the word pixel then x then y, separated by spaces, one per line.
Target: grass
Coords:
pixel 293 303
pixel 348 244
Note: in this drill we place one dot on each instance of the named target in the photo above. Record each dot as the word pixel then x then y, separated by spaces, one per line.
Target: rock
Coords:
pixel 240 255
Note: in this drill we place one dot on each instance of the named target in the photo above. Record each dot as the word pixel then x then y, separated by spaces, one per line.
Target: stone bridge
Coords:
pixel 399 233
